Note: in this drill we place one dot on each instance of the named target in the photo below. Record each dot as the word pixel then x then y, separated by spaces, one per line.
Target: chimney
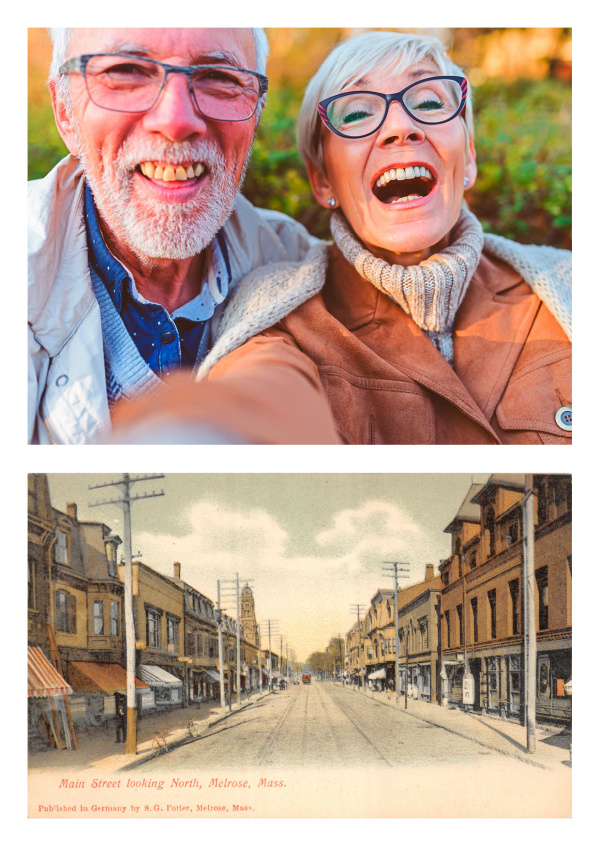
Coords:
pixel 72 510
pixel 428 572
pixel 177 569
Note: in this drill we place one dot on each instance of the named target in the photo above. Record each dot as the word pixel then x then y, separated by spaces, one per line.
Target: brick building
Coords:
pixel 418 610
pixel 380 640
pixel 482 597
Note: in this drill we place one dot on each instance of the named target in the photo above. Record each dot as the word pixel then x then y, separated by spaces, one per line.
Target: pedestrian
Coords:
pixel 121 718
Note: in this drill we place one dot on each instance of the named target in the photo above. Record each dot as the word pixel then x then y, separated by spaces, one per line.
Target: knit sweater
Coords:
pixel 270 293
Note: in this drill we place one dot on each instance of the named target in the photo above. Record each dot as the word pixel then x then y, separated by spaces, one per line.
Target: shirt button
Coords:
pixel 168 337
pixel 564 418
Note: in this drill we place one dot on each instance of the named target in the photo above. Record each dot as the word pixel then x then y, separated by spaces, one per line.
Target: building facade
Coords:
pixel 380 640
pixel 482 598
pixel 418 627
pixel 158 612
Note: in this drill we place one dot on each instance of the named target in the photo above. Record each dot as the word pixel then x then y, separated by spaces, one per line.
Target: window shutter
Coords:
pixel 71 613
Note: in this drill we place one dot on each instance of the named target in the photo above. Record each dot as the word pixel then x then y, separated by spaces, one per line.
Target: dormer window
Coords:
pixel 61 547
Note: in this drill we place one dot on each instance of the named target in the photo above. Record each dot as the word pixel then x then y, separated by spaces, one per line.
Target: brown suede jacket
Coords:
pixel 386 383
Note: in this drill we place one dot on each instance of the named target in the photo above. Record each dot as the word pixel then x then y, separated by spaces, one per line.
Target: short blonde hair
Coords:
pixel 358 56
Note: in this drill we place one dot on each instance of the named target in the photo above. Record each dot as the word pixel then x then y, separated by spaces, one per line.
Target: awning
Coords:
pixel 378 674
pixel 157 677
pixel 213 676
pixel 98 677
pixel 42 678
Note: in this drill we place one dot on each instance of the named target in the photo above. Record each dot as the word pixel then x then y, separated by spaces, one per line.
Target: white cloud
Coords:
pixel 221 541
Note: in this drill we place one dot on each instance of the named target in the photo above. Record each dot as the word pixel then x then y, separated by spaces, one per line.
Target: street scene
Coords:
pixel 195 702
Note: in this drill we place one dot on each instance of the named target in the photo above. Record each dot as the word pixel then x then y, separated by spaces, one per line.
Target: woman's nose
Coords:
pixel 399 128
pixel 174 114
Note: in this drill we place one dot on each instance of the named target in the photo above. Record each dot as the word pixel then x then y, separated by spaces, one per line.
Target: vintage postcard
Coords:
pixel 299 645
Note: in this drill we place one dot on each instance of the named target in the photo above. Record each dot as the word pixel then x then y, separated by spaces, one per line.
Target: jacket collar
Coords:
pixel 497 306
pixel 60 292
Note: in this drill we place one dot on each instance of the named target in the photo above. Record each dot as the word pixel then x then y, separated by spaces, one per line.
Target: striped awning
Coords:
pixel 157 677
pixel 42 678
pixel 99 677
pixel 213 676
pixel 378 674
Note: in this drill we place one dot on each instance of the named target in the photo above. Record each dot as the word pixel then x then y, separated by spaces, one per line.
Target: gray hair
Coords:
pixel 358 56
pixel 61 39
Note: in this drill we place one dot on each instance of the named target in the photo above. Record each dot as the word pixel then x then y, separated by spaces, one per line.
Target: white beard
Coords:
pixel 159 229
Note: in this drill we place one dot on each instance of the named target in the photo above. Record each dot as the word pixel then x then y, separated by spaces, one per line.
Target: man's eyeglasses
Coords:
pixel 122 82
pixel 356 114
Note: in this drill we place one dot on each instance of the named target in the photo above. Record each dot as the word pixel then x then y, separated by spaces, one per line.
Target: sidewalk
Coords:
pixel 97 746
pixel 504 736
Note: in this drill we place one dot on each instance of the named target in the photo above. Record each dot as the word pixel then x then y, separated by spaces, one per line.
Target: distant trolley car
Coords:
pixel 306 678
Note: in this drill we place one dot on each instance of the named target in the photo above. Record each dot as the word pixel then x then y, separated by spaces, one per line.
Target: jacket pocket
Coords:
pixel 532 399
pixel 378 411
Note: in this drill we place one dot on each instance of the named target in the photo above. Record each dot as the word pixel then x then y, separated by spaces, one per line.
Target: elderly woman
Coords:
pixel 422 329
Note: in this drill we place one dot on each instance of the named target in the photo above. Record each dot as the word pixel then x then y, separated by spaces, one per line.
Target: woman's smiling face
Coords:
pixel 401 187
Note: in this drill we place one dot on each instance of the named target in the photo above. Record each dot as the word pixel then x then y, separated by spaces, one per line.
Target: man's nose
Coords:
pixel 174 114
pixel 399 127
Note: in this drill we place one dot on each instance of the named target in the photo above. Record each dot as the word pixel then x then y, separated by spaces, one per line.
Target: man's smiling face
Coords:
pixel 127 156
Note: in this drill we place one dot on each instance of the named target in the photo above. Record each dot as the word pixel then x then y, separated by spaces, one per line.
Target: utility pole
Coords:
pixel 396 568
pixel 124 503
pixel 406 668
pixel 272 625
pixel 260 681
pixel 529 633
pixel 233 592
pixel 219 616
pixel 360 609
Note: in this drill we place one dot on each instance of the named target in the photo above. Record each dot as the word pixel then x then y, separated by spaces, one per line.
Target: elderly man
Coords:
pixel 139 236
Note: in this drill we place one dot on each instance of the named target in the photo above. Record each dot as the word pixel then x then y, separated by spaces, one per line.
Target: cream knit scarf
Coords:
pixel 430 292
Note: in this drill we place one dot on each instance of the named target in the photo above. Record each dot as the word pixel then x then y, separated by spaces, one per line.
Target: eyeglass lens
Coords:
pixel 133 85
pixel 361 113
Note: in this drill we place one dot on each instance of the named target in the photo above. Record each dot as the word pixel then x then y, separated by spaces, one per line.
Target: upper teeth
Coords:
pixel 171 173
pixel 403 173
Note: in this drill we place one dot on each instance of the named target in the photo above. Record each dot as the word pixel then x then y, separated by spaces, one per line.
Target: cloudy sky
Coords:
pixel 312 545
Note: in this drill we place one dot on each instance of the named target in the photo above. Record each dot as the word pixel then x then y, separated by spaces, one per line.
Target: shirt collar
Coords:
pixel 115 276
pixel 109 269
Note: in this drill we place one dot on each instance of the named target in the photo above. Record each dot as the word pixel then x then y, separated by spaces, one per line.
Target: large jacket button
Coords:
pixel 168 337
pixel 564 418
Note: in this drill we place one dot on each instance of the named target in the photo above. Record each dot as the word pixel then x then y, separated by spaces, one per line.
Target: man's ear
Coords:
pixel 320 185
pixel 64 120
pixel 470 164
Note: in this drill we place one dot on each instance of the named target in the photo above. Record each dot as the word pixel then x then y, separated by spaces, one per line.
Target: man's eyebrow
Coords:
pixel 217 57
pixel 127 47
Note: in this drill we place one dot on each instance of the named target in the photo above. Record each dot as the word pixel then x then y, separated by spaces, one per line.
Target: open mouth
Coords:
pixel 401 185
pixel 171 172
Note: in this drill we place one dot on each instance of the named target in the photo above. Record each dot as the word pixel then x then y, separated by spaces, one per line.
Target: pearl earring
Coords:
pixel 332 202
pixel 465 181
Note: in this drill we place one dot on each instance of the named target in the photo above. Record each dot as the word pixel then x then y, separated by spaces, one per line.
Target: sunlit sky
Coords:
pixel 312 545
